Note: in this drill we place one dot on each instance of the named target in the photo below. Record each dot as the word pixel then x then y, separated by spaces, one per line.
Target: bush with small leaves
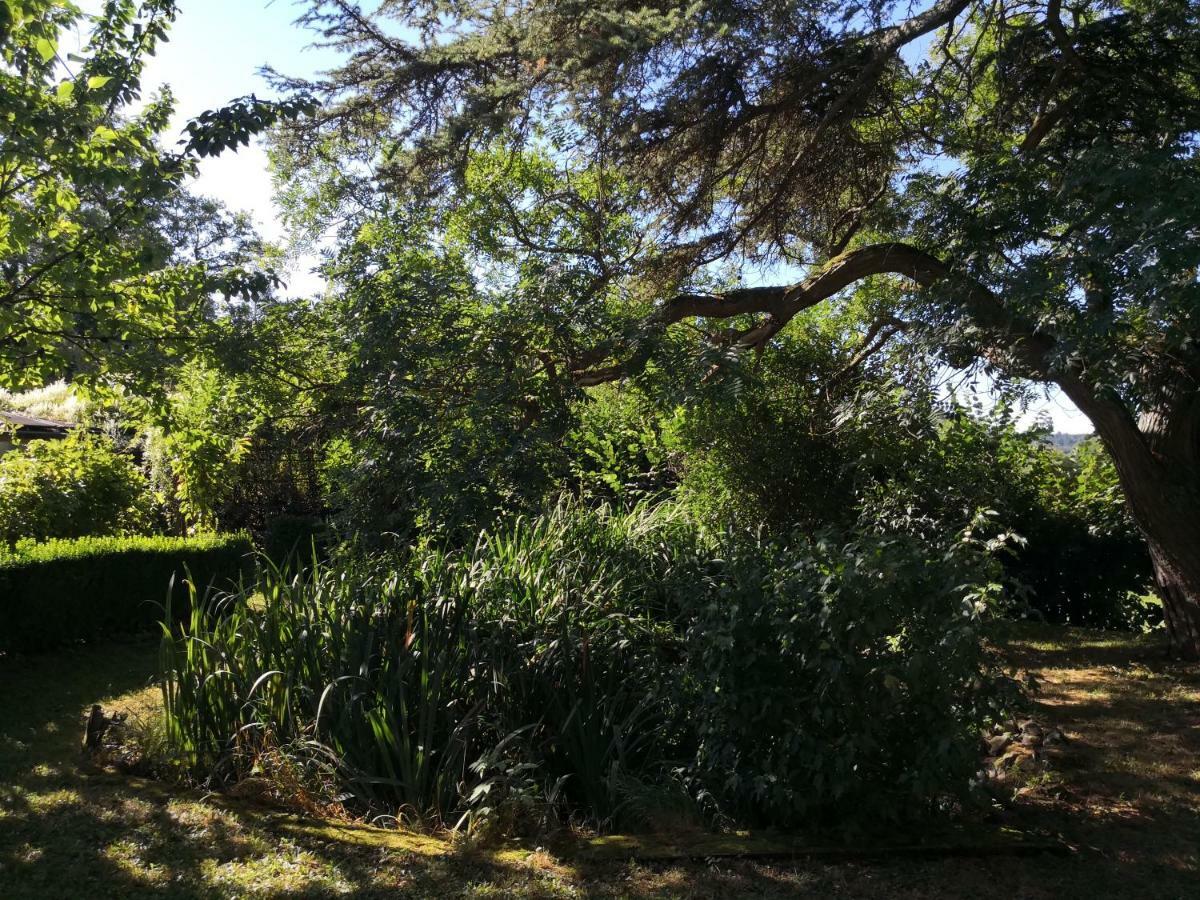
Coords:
pixel 81 485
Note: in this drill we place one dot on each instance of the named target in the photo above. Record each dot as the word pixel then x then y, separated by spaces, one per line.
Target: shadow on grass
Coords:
pixel 67 830
pixel 1123 791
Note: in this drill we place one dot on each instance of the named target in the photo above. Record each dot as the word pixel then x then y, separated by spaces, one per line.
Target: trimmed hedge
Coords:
pixel 61 591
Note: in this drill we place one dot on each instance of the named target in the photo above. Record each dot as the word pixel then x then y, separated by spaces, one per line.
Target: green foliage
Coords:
pixel 620 449
pixel 290 540
pixel 1085 560
pixel 830 676
pixel 791 445
pixel 461 415
pixel 1065 181
pixel 210 423
pixel 80 485
pixel 784 443
pixel 1096 492
pixel 239 437
pixel 1024 182
pixel 63 591
pixel 109 266
pixel 579 662
pixel 1080 557
pixel 1088 234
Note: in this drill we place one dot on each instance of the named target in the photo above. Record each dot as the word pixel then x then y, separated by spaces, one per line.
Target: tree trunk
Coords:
pixel 1181 605
pixel 1164 503
pixel 1156 460
pixel 1164 506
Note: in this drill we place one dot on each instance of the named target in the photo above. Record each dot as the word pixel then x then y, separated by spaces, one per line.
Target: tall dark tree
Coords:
pixel 1026 170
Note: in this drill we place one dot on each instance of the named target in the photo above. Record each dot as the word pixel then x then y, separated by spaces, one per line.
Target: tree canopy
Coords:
pixel 519 203
pixel 108 262
pixel 1029 171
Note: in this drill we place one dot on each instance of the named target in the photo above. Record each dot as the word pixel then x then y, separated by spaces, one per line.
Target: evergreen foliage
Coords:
pixel 59 592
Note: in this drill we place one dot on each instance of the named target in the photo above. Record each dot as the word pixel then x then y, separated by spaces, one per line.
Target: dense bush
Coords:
pixel 232 448
pixel 765 446
pixel 61 591
pixel 786 452
pixel 619 449
pixel 835 676
pixel 603 665
pixel 81 485
pixel 1091 566
pixel 291 539
pixel 1080 560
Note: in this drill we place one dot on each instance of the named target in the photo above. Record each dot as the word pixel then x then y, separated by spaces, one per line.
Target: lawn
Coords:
pixel 1122 794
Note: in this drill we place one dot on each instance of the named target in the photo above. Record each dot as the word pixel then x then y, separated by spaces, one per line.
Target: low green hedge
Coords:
pixel 56 592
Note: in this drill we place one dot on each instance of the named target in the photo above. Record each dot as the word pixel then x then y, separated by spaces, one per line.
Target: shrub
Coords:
pixel 584 661
pixel 291 538
pixel 1081 560
pixel 835 677
pixel 77 486
pixel 61 591
pixel 617 450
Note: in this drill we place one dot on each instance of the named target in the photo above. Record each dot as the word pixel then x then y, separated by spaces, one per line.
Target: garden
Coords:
pixel 656 497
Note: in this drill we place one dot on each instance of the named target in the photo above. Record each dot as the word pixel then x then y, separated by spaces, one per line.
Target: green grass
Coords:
pixel 1124 793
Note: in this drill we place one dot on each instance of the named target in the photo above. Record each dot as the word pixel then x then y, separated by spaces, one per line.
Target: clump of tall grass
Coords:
pixel 406 678
pixel 583 663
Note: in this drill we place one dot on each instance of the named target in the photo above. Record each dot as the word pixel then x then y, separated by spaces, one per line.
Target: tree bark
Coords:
pixel 1157 464
pixel 1166 511
pixel 1180 595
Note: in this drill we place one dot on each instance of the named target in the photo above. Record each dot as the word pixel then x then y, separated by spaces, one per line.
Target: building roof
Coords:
pixel 24 422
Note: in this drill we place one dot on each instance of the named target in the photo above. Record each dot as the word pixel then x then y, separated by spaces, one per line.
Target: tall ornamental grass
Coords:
pixel 600 667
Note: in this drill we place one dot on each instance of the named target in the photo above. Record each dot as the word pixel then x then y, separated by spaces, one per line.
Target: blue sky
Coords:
pixel 215 51
pixel 214 54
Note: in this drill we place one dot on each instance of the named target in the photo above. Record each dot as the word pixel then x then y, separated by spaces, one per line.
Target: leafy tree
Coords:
pixel 792 443
pixel 458 409
pixel 81 485
pixel 1030 181
pixel 105 262
pixel 238 437
pixel 211 422
pixel 802 438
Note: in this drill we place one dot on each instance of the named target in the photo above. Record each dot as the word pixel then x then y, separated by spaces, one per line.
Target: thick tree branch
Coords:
pixel 1059 31
pixel 1008 340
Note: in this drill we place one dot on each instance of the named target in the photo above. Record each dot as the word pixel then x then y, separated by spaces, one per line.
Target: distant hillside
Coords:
pixel 1066 442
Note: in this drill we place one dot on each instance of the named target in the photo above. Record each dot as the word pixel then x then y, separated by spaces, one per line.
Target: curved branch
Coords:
pixel 1009 338
pixel 880 332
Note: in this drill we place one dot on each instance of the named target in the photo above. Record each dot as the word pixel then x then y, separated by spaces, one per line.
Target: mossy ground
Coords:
pixel 1123 794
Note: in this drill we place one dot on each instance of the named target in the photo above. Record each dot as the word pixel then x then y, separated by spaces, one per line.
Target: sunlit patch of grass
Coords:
pixel 126 857
pixel 48 802
pixel 285 869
